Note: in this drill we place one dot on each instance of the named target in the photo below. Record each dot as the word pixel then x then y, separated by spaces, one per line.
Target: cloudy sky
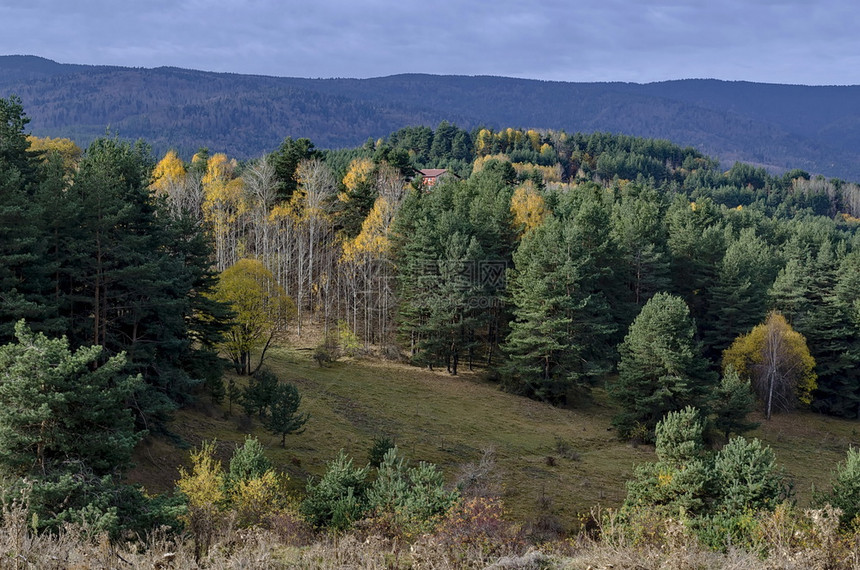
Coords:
pixel 778 41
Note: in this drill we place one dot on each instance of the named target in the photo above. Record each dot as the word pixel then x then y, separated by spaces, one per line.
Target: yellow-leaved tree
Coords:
pixel 262 309
pixel 69 152
pixel 168 180
pixel 361 171
pixel 168 173
pixel 776 361
pixel 481 161
pixel 224 206
pixel 528 208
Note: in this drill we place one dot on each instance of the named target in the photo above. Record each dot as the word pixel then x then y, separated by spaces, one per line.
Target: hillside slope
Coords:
pixel 778 126
pixel 452 420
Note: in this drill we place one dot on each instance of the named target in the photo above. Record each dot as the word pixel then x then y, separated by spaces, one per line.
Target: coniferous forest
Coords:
pixel 558 265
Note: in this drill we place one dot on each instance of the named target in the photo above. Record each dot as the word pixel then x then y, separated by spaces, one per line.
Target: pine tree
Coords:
pixel 22 243
pixel 286 160
pixel 733 401
pixel 697 244
pixel 283 417
pixel 661 369
pixel 561 321
pixel 640 232
pixel 739 295
pixel 62 407
pixel 815 291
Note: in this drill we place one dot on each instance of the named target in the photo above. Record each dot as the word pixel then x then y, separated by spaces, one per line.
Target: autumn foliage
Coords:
pixel 776 361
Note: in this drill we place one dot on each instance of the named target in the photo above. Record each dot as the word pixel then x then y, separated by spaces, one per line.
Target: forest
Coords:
pixel 555 264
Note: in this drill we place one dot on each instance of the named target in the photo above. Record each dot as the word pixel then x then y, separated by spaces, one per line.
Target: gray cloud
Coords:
pixel 783 41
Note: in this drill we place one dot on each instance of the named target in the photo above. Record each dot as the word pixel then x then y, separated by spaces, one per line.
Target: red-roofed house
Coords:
pixel 429 176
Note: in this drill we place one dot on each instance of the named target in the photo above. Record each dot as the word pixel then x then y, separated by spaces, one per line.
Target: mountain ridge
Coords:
pixel 816 128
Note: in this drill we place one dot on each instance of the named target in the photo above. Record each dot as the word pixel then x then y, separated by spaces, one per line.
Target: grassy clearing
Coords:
pixel 548 460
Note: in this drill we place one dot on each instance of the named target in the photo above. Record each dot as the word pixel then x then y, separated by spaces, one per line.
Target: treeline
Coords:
pixel 537 255
pixel 533 259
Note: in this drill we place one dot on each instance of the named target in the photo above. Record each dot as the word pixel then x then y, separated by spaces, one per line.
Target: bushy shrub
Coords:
pixel 255 498
pixel 717 495
pixel 337 499
pixel 748 478
pixel 476 529
pixel 248 462
pixel 325 354
pixel 405 500
pixel 413 497
pixel 348 342
pixel 251 494
pixel 680 479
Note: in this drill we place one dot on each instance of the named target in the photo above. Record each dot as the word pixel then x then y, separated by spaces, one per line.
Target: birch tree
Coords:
pixel 775 360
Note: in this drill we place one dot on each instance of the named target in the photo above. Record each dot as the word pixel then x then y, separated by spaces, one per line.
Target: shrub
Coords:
pixel 717 496
pixel 748 478
pixel 413 497
pixel 254 499
pixel 337 500
pixel 203 488
pixel 248 462
pixel 680 479
pixel 479 479
pixel 348 342
pixel 478 525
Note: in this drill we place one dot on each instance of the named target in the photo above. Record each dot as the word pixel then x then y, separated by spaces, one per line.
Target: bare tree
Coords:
pixel 261 195
pixel 317 189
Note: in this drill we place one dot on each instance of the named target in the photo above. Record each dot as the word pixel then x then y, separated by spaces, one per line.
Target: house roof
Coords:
pixel 432 172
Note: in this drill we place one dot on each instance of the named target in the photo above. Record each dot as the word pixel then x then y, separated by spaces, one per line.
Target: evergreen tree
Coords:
pixel 640 232
pixel 733 401
pixel 60 406
pixel 697 244
pixel 816 291
pixel 286 161
pixel 283 417
pixel 844 493
pixel 451 242
pixel 128 279
pixel 748 478
pixel 67 435
pixel 22 243
pixel 558 338
pixel 739 294
pixel 661 369
pixel 248 462
pixel 680 479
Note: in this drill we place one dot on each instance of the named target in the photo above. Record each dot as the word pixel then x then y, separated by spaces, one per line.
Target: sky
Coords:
pixel 807 42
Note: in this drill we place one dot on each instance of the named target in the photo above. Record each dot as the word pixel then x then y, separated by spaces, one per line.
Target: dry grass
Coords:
pixel 76 548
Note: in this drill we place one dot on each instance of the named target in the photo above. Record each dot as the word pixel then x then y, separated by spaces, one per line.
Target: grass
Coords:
pixel 548 460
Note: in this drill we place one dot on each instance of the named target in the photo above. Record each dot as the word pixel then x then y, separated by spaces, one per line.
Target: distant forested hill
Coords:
pixel 776 126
